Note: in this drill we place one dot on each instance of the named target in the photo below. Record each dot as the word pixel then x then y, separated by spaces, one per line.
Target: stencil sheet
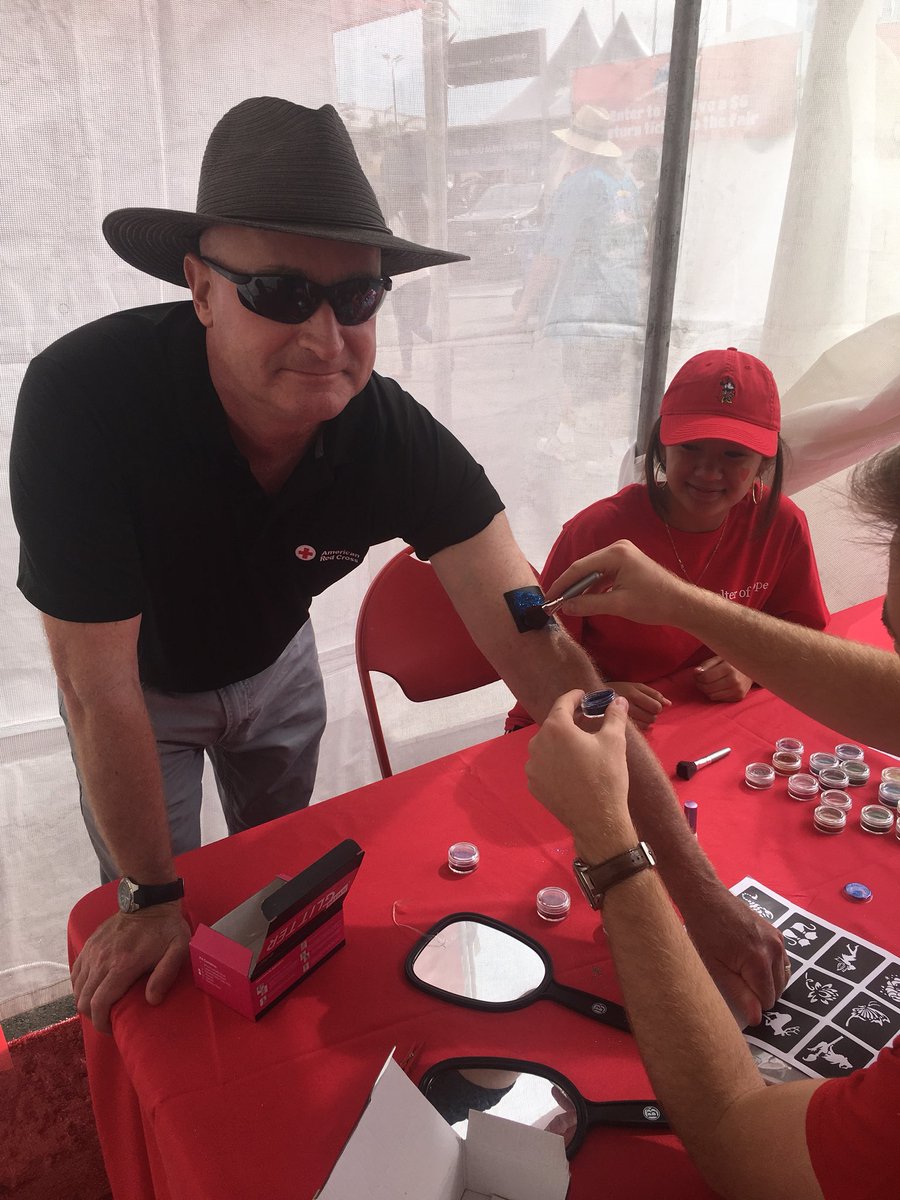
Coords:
pixel 842 1004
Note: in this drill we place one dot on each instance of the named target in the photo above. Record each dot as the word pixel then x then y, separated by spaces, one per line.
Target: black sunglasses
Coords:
pixel 292 299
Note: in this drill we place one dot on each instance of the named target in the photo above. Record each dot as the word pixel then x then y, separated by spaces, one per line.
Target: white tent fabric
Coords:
pixel 109 105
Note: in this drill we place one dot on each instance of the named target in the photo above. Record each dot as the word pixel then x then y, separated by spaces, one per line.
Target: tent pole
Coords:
pixel 669 207
pixel 434 33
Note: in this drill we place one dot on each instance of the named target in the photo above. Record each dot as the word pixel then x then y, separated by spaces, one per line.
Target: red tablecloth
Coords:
pixel 194 1101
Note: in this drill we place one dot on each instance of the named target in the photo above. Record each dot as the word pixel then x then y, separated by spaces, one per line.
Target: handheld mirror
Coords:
pixel 530 1094
pixel 475 961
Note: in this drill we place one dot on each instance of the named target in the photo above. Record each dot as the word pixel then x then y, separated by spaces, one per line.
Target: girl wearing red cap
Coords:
pixel 710 510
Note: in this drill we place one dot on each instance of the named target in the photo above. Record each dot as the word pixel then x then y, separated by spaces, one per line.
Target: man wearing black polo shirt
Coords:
pixel 186 477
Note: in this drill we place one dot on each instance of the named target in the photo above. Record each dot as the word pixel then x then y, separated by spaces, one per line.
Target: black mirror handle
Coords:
pixel 606 1011
pixel 642 1114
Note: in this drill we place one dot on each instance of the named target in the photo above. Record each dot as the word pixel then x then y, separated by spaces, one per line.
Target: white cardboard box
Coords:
pixel 403 1149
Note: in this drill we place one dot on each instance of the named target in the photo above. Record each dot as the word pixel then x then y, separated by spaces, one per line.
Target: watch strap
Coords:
pixel 595 881
pixel 134 896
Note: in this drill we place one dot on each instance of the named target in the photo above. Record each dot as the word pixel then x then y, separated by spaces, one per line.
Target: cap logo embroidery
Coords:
pixel 727 386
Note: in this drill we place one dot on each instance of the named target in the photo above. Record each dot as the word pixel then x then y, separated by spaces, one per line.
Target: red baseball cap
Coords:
pixel 724 394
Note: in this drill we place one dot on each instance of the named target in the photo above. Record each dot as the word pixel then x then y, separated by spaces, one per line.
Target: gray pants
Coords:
pixel 261 734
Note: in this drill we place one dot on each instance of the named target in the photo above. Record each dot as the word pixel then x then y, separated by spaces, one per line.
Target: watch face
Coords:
pixel 126 899
pixel 586 885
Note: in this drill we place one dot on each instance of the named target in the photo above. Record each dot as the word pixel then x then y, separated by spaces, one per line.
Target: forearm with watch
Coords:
pixel 114 745
pixel 119 764
pixel 148 936
pixel 748 1141
pixel 617 848
pixel 697 1060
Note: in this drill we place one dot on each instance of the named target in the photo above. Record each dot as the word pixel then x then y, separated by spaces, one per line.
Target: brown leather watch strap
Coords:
pixel 595 881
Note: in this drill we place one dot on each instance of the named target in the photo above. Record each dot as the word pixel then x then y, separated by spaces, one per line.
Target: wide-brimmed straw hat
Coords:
pixel 270 164
pixel 589 132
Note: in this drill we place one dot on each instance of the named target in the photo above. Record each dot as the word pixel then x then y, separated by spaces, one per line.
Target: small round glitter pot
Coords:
pixel 803 787
pixel 836 799
pixel 595 704
pixel 856 770
pixel 833 777
pixel 875 818
pixel 759 776
pixel 786 762
pixel 790 745
pixel 553 903
pixel 846 752
pixel 822 760
pixel 828 819
pixel 463 858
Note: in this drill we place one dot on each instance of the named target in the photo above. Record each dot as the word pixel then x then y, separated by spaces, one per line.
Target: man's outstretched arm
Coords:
pixel 743 953
pixel 849 687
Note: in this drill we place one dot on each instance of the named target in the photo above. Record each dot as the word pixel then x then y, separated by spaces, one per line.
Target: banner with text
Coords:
pixel 744 89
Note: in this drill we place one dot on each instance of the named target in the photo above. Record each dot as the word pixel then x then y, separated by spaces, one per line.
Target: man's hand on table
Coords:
pixel 744 954
pixel 720 682
pixel 123 949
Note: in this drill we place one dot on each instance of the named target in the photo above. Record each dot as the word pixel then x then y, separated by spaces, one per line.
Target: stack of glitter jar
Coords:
pixel 828 782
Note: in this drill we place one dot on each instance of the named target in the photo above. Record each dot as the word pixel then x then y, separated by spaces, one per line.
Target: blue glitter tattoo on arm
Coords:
pixel 525 605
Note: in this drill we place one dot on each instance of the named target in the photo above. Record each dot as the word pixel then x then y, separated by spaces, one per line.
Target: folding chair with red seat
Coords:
pixel 407 628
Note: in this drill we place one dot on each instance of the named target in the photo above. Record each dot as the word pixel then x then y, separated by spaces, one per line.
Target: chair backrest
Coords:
pixel 408 629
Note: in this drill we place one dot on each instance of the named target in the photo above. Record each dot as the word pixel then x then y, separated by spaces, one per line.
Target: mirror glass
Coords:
pixel 467 958
pixel 517 1095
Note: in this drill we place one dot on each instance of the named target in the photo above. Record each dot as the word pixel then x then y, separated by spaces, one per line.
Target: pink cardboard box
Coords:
pixel 257 952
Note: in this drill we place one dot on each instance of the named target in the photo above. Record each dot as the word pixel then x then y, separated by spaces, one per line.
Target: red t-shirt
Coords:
pixel 851 1131
pixel 770 569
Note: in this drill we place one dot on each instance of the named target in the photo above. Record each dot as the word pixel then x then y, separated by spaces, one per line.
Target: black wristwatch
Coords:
pixel 135 896
pixel 596 881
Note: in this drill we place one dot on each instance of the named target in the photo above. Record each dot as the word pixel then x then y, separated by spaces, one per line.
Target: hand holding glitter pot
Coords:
pixel 593 708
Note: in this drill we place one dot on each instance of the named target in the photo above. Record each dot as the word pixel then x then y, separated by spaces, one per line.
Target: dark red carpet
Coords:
pixel 48 1140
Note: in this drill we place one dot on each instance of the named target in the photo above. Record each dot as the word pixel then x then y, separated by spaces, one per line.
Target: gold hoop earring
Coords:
pixel 756 490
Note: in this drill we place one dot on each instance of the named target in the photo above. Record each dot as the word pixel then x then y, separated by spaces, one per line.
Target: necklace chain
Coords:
pixel 696 581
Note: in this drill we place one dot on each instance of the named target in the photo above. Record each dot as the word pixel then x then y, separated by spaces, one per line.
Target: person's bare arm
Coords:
pixel 537 665
pixel 743 952
pixel 96 666
pixel 747 1140
pixel 849 687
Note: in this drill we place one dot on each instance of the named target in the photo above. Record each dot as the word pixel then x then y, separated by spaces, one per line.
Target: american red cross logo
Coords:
pixel 305 553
